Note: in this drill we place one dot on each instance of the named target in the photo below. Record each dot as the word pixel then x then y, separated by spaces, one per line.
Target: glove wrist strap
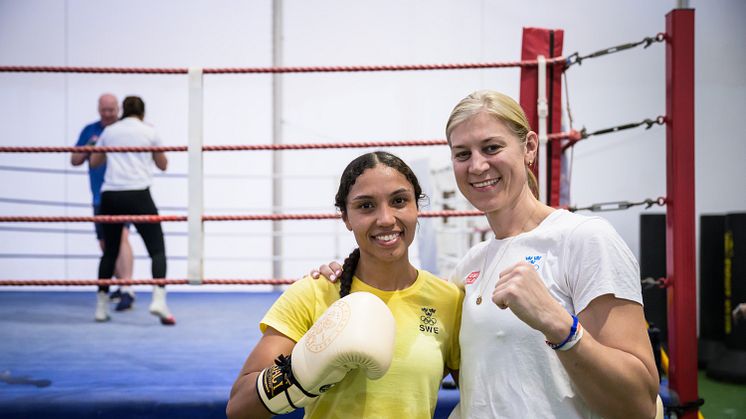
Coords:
pixel 278 389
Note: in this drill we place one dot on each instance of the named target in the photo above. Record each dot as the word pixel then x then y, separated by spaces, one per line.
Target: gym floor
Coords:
pixel 56 362
pixel 722 400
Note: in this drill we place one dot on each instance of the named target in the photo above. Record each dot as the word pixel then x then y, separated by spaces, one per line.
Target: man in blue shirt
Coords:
pixel 108 109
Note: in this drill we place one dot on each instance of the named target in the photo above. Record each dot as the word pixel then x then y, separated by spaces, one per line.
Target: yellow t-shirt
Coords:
pixel 428 317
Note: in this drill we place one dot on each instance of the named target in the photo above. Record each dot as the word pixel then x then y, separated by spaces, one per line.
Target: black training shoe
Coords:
pixel 125 302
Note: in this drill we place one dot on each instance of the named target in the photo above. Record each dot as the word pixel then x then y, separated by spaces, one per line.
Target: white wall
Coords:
pixel 50 109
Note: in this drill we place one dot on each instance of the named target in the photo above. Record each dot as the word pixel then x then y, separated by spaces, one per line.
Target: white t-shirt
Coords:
pixel 507 370
pixel 128 171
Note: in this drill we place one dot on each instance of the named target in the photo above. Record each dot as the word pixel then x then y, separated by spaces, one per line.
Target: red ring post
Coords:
pixel 680 236
pixel 547 42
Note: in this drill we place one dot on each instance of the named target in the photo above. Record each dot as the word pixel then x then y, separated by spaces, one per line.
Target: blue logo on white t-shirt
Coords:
pixel 534 260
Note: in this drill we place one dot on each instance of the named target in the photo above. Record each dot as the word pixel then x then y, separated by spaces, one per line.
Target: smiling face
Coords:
pixel 489 162
pixel 381 210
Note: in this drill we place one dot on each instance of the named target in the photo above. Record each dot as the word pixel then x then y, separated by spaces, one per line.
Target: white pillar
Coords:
pixel 276 138
pixel 195 263
pixel 542 108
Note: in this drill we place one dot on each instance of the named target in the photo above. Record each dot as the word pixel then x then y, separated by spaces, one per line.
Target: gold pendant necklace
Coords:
pixel 485 277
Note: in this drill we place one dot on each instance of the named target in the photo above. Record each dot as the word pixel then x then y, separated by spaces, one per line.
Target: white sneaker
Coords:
pixel 102 307
pixel 159 308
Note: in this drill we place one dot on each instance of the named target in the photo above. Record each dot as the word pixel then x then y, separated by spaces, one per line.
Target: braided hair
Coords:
pixel 348 270
pixel 349 176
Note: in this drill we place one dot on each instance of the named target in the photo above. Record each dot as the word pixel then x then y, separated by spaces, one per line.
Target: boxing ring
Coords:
pixel 57 362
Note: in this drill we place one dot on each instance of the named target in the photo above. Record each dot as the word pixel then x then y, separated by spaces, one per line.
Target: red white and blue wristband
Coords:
pixel 576 332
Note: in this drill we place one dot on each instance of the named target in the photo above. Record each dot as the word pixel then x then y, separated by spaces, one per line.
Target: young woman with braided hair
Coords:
pixel 378 199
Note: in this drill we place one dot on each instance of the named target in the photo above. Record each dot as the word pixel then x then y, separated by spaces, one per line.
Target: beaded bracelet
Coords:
pixel 571 335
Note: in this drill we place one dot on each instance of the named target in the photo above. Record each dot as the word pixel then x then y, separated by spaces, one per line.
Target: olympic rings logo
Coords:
pixel 428 320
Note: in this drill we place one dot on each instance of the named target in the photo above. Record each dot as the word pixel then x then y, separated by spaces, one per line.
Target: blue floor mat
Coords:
pixel 56 362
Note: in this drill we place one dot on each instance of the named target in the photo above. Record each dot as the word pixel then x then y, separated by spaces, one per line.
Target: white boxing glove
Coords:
pixel 357 331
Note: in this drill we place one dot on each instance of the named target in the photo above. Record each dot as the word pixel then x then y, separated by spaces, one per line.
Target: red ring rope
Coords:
pixel 249 147
pixel 275 70
pixel 230 147
pixel 149 219
pixel 105 282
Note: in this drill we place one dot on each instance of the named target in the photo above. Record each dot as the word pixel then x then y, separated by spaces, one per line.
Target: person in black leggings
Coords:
pixel 131 203
pixel 126 191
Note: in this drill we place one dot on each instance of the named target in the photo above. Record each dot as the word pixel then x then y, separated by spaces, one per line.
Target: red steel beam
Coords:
pixel 680 230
